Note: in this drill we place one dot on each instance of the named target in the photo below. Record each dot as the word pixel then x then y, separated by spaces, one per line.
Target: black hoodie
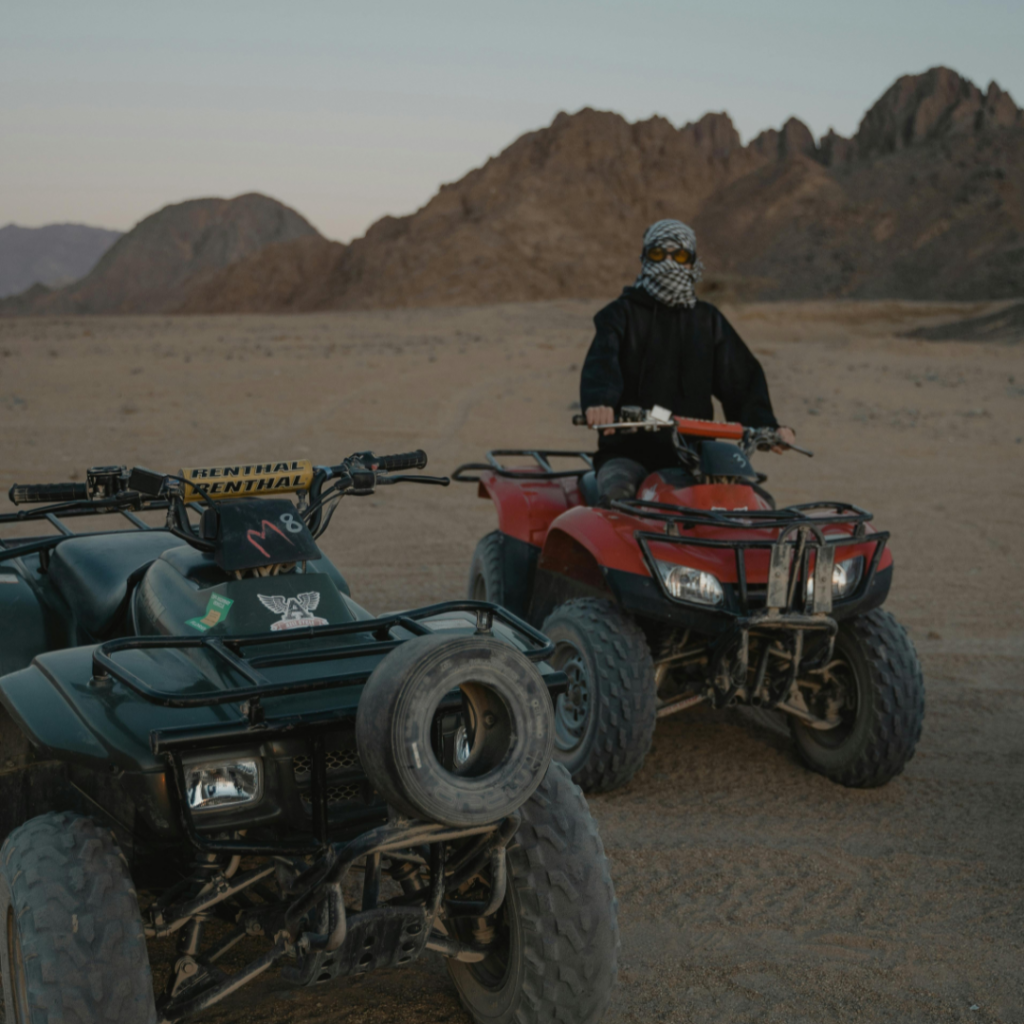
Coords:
pixel 646 353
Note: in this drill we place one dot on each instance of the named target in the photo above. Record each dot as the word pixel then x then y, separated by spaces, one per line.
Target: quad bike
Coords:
pixel 204 739
pixel 697 590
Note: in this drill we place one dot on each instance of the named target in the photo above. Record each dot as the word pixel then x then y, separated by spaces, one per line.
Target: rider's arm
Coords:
pixel 601 380
pixel 739 381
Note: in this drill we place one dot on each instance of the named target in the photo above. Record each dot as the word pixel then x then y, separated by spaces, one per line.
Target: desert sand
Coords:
pixel 749 889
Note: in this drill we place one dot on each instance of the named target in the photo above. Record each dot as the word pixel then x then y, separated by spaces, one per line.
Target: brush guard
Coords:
pixel 799 554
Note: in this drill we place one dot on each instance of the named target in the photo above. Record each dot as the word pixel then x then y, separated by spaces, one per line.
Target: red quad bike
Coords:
pixel 699 589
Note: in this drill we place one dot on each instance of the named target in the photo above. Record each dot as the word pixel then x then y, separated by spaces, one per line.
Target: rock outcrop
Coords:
pixel 152 268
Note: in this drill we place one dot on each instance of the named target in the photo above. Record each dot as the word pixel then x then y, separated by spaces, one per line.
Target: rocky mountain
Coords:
pixel 52 255
pixel 925 201
pixel 154 266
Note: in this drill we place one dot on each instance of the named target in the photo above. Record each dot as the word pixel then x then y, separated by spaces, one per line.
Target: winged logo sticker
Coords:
pixel 295 612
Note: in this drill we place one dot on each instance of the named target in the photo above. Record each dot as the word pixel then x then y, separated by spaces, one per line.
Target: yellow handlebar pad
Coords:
pixel 253 480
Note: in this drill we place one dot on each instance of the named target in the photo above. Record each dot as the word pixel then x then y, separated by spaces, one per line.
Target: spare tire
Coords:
pixel 507 729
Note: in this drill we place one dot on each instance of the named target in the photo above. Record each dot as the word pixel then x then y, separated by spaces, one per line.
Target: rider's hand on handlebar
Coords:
pixel 786 436
pixel 598 414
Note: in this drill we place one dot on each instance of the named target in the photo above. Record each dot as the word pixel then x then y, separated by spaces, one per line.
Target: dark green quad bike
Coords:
pixel 200 713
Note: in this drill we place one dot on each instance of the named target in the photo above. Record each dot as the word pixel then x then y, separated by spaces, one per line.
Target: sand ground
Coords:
pixel 750 889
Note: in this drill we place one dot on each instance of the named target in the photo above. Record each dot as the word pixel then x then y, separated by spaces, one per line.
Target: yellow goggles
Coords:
pixel 656 254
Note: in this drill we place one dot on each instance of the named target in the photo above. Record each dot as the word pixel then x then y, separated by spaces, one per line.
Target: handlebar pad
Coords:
pixel 38 494
pixel 410 460
pixel 579 420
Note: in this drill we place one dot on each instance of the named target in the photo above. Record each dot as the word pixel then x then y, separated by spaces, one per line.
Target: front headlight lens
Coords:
pixel 690 584
pixel 845 577
pixel 231 784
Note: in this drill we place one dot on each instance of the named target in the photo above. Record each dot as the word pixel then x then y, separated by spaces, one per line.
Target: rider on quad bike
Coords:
pixel 204 739
pixel 657 345
pixel 698 589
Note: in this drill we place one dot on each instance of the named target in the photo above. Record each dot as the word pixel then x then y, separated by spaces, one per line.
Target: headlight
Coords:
pixel 845 577
pixel 227 785
pixel 690 584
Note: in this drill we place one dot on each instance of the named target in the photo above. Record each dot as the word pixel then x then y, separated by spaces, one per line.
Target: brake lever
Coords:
pixel 802 451
pixel 441 481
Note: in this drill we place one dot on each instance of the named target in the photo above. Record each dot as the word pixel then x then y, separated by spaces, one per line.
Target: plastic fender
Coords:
pixel 527 507
pixel 24 622
pixel 607 536
pixel 46 718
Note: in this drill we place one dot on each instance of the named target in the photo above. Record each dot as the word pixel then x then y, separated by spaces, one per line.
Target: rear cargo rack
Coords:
pixel 124 505
pixel 540 456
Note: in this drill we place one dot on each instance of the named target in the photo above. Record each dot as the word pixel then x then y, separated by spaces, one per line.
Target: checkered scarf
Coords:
pixel 668 281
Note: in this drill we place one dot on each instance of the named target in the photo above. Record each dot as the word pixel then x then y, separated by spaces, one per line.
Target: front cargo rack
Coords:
pixel 228 648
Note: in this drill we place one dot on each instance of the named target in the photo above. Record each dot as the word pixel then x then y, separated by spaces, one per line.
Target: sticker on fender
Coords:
pixel 217 609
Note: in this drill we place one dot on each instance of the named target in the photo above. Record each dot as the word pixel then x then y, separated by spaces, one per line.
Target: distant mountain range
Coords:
pixel 926 201
pixel 52 255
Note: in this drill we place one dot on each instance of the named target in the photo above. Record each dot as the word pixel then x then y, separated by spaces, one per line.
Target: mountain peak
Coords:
pixel 939 102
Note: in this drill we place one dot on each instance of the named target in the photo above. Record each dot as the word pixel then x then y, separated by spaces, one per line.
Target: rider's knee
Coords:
pixel 619 478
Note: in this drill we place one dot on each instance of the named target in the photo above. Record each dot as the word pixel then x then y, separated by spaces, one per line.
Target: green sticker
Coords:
pixel 217 609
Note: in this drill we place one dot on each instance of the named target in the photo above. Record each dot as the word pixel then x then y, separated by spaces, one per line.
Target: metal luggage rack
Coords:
pixel 228 649
pixel 761 519
pixel 53 514
pixel 539 455
pixel 796 530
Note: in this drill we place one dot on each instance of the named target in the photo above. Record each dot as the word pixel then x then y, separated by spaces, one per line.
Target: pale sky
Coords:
pixel 348 111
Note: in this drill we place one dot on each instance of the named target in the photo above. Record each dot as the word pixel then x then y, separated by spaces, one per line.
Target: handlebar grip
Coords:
pixel 40 494
pixel 410 460
pixel 579 420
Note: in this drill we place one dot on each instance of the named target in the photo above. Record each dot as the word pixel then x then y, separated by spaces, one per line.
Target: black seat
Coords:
pixel 588 488
pixel 92 573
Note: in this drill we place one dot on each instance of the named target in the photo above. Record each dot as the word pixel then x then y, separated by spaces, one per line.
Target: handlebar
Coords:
pixel 41 494
pixel 410 460
pixel 634 418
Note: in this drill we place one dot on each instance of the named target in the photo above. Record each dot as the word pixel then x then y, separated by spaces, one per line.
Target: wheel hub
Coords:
pixel 572 710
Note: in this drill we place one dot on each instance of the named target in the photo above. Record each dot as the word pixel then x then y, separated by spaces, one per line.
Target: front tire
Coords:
pixel 71 939
pixel 604 723
pixel 878 666
pixel 486 572
pixel 558 925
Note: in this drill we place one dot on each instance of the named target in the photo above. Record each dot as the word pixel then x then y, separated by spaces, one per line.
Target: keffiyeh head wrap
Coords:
pixel 668 281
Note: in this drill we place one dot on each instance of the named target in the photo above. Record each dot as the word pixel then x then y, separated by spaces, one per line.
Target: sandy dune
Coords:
pixel 749 889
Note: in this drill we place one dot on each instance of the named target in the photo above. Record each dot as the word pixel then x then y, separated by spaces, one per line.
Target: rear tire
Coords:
pixel 604 724
pixel 883 730
pixel 559 918
pixel 486 573
pixel 71 938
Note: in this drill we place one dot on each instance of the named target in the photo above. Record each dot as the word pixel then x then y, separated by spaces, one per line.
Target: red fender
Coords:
pixel 527 508
pixel 606 536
